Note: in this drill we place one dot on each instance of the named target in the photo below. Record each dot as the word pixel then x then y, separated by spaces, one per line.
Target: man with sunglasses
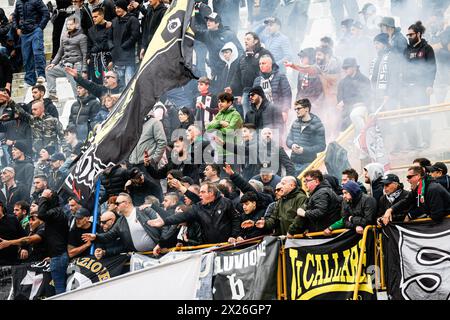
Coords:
pixel 426 199
pixel 112 248
pixel 132 227
pixel 110 83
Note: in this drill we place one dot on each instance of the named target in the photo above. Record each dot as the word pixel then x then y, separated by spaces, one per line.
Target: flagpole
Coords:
pixel 94 222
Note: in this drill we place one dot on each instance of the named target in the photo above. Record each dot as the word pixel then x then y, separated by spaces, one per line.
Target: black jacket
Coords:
pixel 56 225
pixel 56 179
pixel 444 181
pixel 125 35
pixel 436 202
pixel 268 115
pixel 218 219
pixel 114 181
pixel 29 15
pixel 242 184
pixel 99 39
pixel 150 23
pixel 323 208
pixel 24 173
pixel 363 211
pixel 384 204
pixel 6 72
pixel 122 230
pixel 311 138
pixel 420 66
pixel 10 229
pixel 84 110
pixel 17 193
pixel 18 130
pixel 247 70
pixel 352 90
pixel 112 248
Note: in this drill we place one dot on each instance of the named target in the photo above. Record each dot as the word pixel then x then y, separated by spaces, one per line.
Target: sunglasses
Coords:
pixel 104 222
pixel 251 94
pixel 411 176
pixel 278 190
pixel 118 203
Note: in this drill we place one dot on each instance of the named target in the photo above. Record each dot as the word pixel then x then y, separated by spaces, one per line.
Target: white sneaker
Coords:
pixel 40 79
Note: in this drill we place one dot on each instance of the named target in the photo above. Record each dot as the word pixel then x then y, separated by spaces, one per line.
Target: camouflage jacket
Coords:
pixel 46 131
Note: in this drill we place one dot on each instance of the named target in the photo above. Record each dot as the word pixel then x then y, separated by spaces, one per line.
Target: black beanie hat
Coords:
pixel 123 4
pixel 258 90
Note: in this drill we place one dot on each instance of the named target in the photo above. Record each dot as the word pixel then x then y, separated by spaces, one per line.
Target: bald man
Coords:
pixel 283 218
pixel 107 221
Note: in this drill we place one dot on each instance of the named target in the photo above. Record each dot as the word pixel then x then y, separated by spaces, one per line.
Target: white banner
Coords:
pixel 152 283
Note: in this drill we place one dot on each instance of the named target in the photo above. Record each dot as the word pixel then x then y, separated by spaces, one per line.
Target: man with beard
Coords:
pixel 419 73
pixel 264 113
pixel 426 199
pixel 247 70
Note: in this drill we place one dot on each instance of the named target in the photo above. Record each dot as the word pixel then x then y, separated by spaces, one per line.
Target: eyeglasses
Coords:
pixel 118 203
pixel 410 35
pixel 104 222
pixel 309 180
pixel 251 94
pixel 411 176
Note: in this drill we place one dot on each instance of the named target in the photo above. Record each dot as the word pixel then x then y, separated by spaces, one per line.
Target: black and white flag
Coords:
pixel 417 259
pixel 32 281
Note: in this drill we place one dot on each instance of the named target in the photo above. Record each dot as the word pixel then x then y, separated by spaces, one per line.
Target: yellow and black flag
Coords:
pixel 166 65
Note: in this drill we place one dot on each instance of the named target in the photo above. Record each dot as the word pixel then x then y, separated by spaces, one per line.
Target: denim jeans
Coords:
pixel 299 167
pixel 58 269
pixel 337 10
pixel 33 55
pixel 125 73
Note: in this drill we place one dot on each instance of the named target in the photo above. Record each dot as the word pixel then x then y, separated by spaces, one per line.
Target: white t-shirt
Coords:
pixel 141 240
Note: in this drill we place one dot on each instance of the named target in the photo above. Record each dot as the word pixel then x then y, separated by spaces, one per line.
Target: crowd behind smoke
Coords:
pixel 218 159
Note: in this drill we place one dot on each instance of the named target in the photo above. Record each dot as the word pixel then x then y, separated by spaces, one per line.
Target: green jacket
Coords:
pixel 284 217
pixel 235 122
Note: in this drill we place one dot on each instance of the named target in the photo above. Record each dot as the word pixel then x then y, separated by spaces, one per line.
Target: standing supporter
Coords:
pixel 373 174
pixel 10 229
pixel 58 19
pixel 275 85
pixel 72 53
pixel 82 112
pixel 22 213
pixel 56 176
pixel 139 186
pixel 306 137
pixel 276 155
pixel 152 18
pixel 11 191
pixel 228 54
pixel 38 93
pixel 107 7
pixel 113 180
pixel 99 46
pixel 264 113
pixel 125 35
pixel 23 166
pixel 29 20
pixel 205 105
pixel 185 117
pixel 228 10
pixel 396 39
pixel 40 183
pixel 114 247
pixel 361 47
pixel 247 70
pixel 76 247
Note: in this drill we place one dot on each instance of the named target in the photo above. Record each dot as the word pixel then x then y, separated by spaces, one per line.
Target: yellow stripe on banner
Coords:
pixel 366 287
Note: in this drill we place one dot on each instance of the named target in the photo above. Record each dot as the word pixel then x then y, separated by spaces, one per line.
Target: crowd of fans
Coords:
pixel 217 160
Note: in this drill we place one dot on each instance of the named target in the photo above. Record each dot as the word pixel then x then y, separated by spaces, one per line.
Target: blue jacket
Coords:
pixel 29 15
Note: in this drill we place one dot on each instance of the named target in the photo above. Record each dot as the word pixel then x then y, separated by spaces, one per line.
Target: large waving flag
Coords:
pixel 166 65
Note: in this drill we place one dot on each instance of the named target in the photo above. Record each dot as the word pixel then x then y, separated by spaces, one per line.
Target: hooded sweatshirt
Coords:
pixel 375 172
pixel 225 78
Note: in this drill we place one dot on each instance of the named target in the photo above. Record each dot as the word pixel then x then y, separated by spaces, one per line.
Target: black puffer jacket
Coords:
pixel 218 219
pixel 362 209
pixel 24 173
pixel 125 35
pixel 84 110
pixel 312 139
pixel 13 195
pixel 114 181
pixel 29 15
pixel 98 39
pixel 323 207
pixel 267 116
pixel 247 70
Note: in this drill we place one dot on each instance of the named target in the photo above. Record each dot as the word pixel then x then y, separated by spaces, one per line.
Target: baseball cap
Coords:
pixel 438 166
pixel 81 213
pixel 58 156
pixel 389 178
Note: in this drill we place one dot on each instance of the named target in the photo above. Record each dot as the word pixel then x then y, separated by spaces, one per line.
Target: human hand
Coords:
pixel 359 230
pixel 228 170
pixel 260 223
pixel 88 237
pixel 99 253
pixel 4 244
pixel 19 32
pixel 301 212
pixel 23 254
pixel 387 217
pixel 47 193
pixel 289 236
pixel 71 71
pixel 239 239
pixel 156 250
pixel 231 240
pixel 340 106
pixel 147 160
pixel 224 124
pixel 287 64
pixel 50 66
pixel 327 232
pixel 200 105
pixel 247 224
